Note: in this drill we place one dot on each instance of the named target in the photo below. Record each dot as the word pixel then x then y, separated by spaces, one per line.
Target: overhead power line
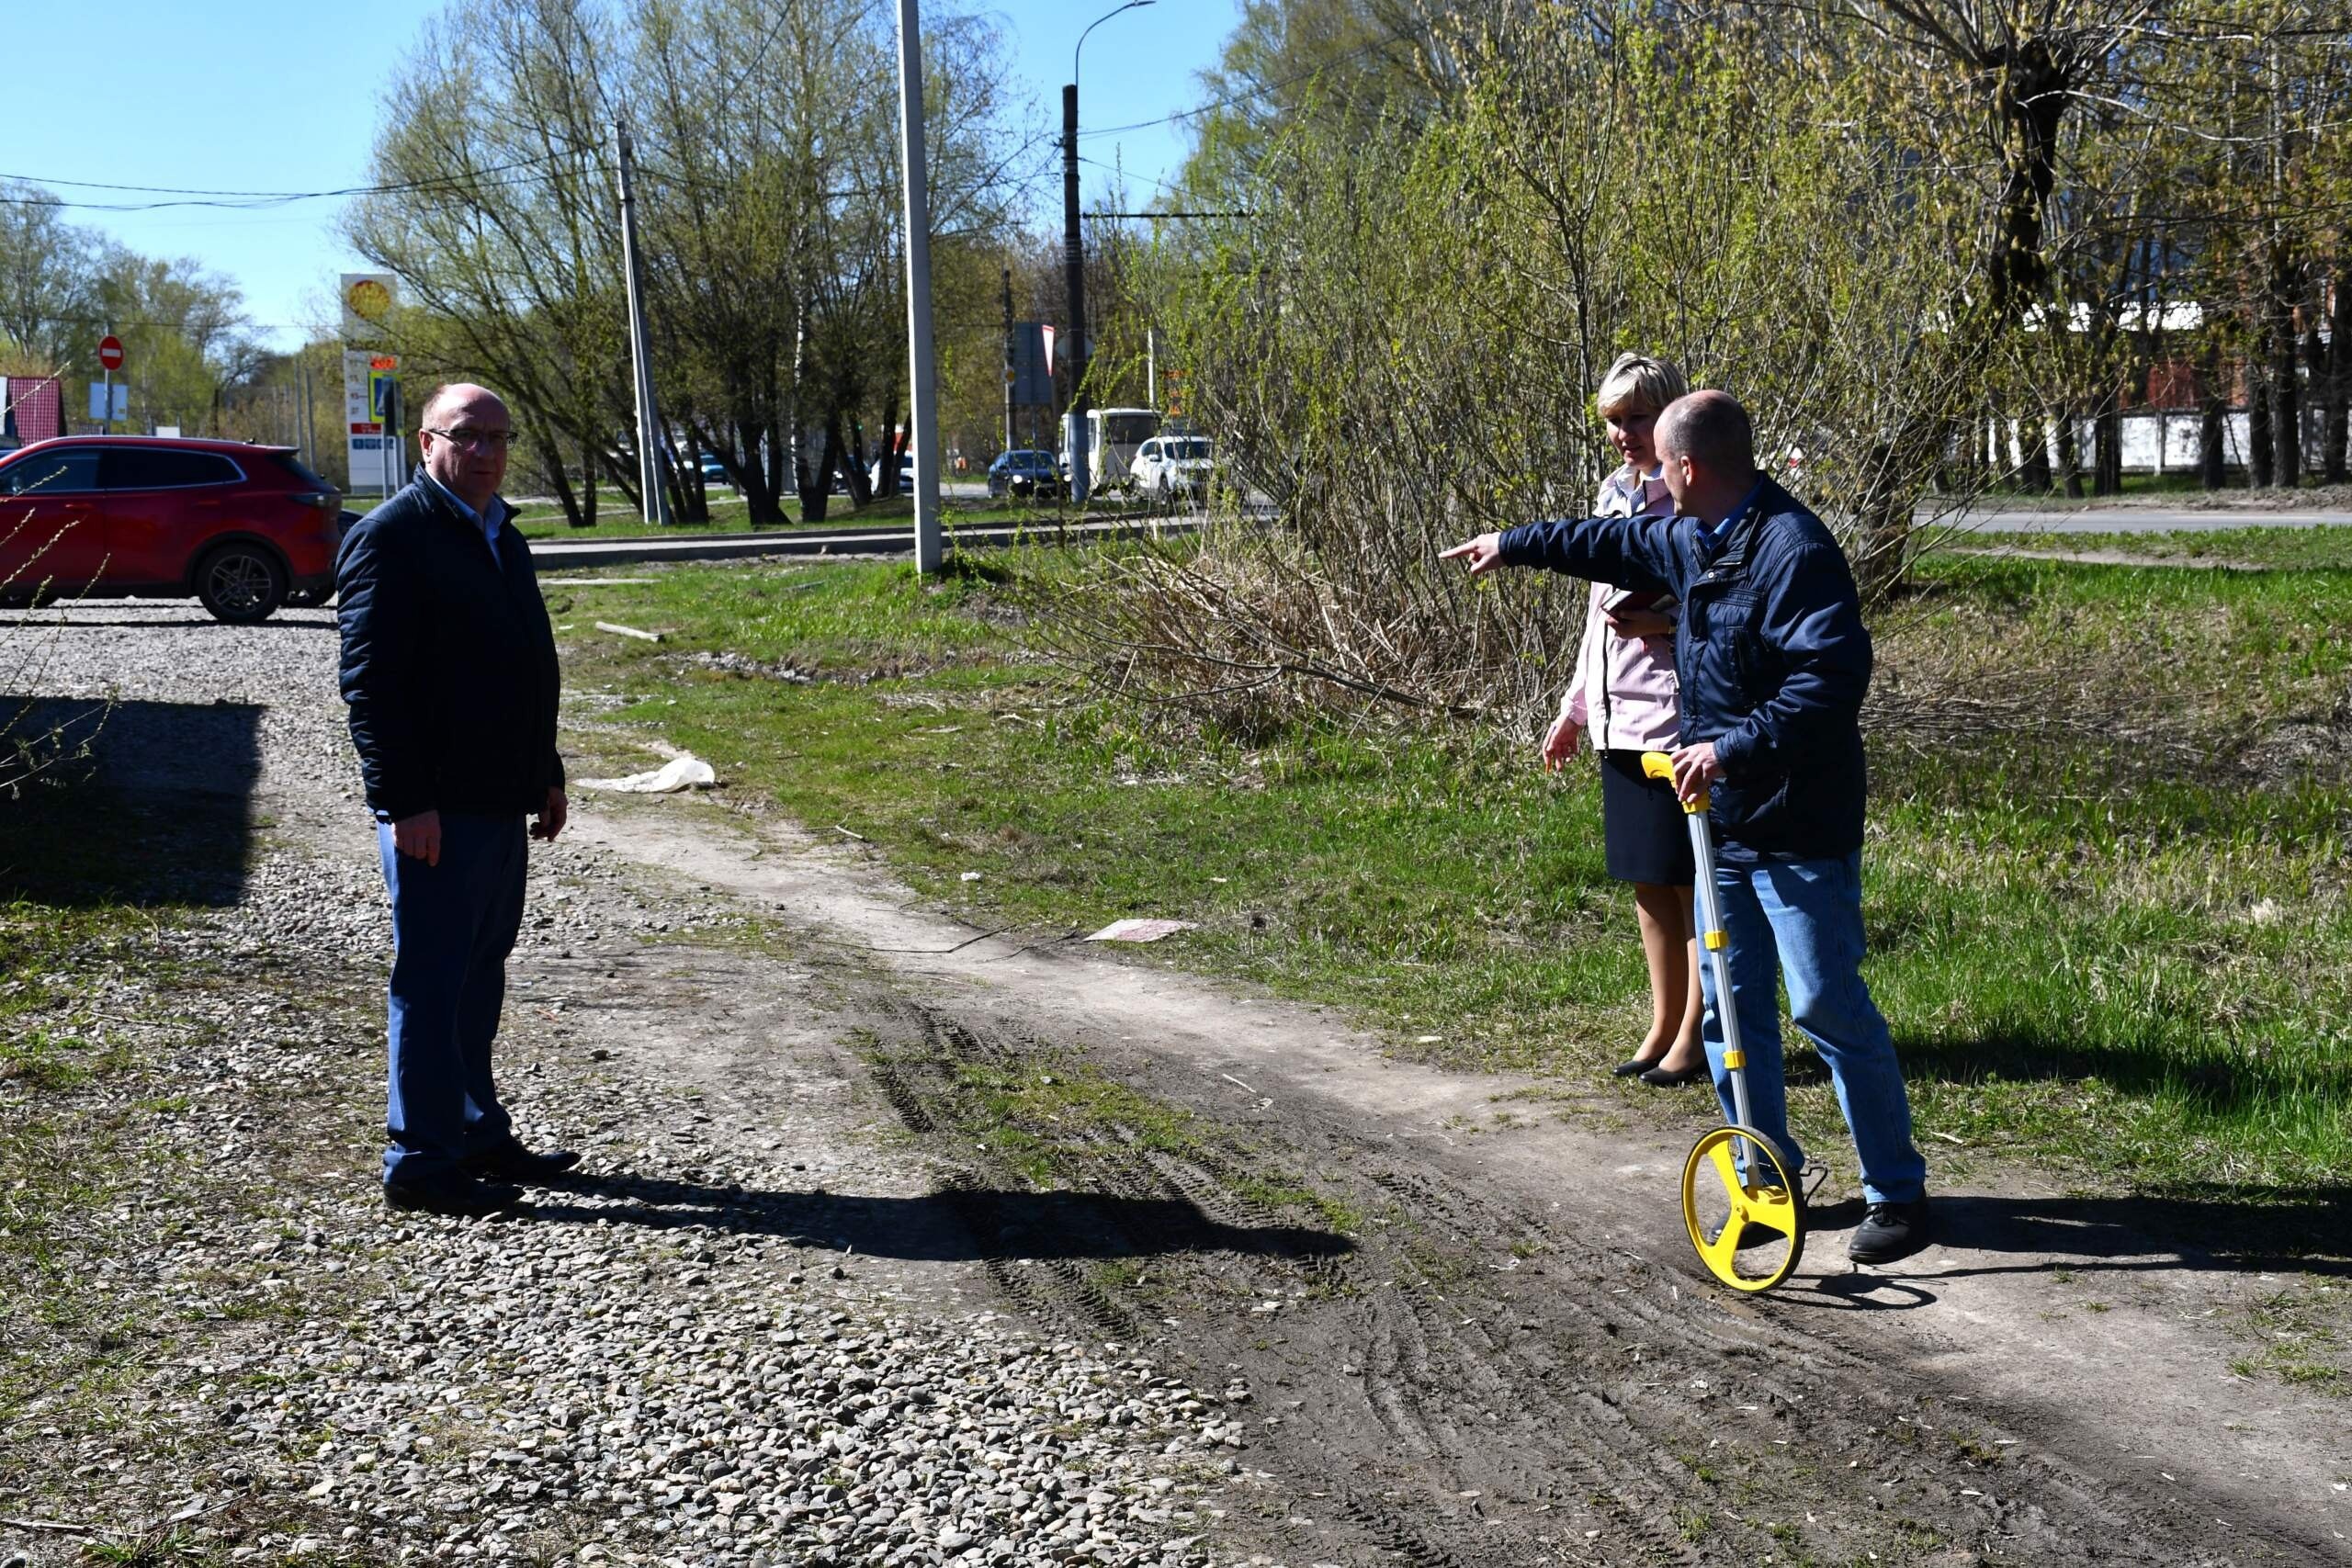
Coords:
pixel 256 200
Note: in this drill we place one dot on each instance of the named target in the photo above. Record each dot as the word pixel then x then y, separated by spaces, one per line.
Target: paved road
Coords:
pixel 2132 520
pixel 563 554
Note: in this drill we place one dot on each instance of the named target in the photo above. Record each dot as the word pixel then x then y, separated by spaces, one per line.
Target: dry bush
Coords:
pixel 1245 636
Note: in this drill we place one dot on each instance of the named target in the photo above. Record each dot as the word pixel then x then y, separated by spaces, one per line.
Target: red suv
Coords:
pixel 244 529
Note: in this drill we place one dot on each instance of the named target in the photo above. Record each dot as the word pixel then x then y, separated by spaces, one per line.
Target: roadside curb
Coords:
pixel 562 556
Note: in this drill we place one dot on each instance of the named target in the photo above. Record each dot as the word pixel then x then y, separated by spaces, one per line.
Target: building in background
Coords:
pixel 35 410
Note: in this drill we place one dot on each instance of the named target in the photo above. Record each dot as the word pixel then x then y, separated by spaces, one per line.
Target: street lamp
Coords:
pixel 930 557
pixel 1074 265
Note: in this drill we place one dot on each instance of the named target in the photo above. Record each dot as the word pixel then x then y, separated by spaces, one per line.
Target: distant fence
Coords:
pixel 2155 443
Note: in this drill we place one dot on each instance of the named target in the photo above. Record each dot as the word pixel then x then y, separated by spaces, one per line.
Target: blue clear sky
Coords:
pixel 163 93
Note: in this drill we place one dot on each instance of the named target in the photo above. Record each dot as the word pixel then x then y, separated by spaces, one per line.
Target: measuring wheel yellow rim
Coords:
pixel 1769 1197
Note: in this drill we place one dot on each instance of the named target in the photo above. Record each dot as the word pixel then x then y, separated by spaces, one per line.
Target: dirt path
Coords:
pixel 1513 1355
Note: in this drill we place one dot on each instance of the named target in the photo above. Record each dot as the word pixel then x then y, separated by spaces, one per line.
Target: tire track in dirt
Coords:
pixel 1492 1377
pixel 1429 1344
pixel 1456 1405
pixel 1053 1292
pixel 1589 1429
pixel 915 1074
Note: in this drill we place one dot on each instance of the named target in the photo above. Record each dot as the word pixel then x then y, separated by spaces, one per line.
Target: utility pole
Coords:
pixel 1008 359
pixel 929 555
pixel 302 421
pixel 1074 273
pixel 652 492
pixel 390 447
pixel 1082 466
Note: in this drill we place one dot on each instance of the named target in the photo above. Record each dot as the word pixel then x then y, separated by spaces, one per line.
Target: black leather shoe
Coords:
pixel 1633 1068
pixel 1660 1078
pixel 457 1195
pixel 510 1161
pixel 1890 1231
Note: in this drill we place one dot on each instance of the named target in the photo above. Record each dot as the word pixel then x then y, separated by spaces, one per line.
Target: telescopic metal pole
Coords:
pixel 929 554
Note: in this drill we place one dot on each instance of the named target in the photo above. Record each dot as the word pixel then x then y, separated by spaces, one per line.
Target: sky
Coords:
pixel 162 93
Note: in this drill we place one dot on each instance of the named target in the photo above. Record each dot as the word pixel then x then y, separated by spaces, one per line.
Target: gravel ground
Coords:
pixel 231 1350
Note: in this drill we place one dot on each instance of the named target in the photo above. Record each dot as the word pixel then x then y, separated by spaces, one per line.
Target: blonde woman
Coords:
pixel 1623 698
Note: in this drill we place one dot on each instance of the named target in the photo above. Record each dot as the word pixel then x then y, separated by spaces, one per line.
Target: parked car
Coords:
pixel 714 472
pixel 241 528
pixel 906 474
pixel 1173 468
pixel 1024 472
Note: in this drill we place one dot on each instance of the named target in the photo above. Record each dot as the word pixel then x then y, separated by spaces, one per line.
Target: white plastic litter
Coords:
pixel 684 771
pixel 1139 931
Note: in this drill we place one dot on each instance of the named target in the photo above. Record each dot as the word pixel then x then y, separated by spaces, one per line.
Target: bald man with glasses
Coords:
pixel 449 673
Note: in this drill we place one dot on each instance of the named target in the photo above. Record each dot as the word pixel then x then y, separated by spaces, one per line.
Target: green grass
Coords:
pixel 2128 970
pixel 1039 1122
pixel 2302 1334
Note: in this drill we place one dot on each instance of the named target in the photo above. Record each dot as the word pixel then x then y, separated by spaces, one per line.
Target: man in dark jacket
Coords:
pixel 449 669
pixel 1771 661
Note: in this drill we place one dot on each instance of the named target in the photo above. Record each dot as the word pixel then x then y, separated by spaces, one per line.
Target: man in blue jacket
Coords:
pixel 449 670
pixel 1771 661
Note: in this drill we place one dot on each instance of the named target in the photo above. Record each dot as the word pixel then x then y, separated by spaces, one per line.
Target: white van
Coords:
pixel 1112 438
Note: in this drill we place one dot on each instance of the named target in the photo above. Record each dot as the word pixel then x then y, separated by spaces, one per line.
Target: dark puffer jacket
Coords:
pixel 448 661
pixel 1770 654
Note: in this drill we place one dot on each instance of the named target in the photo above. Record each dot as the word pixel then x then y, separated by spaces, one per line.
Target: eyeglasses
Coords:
pixel 467 436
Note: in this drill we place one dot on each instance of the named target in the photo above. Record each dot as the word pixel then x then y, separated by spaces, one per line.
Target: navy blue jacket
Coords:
pixel 1770 654
pixel 448 661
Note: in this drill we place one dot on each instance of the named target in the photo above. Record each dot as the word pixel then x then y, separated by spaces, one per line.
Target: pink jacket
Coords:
pixel 1623 692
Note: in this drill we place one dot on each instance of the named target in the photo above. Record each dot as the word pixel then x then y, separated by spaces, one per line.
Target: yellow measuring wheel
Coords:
pixel 1741 1203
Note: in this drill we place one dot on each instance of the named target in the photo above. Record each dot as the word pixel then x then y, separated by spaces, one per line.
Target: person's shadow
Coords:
pixel 957 1224
pixel 2211 1230
pixel 121 801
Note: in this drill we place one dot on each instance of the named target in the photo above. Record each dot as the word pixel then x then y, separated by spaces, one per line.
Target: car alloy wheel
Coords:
pixel 240 584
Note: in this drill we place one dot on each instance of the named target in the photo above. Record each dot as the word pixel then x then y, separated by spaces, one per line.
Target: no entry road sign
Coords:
pixel 110 353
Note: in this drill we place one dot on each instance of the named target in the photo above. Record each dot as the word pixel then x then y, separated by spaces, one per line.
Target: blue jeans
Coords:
pixel 1803 920
pixel 453 925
